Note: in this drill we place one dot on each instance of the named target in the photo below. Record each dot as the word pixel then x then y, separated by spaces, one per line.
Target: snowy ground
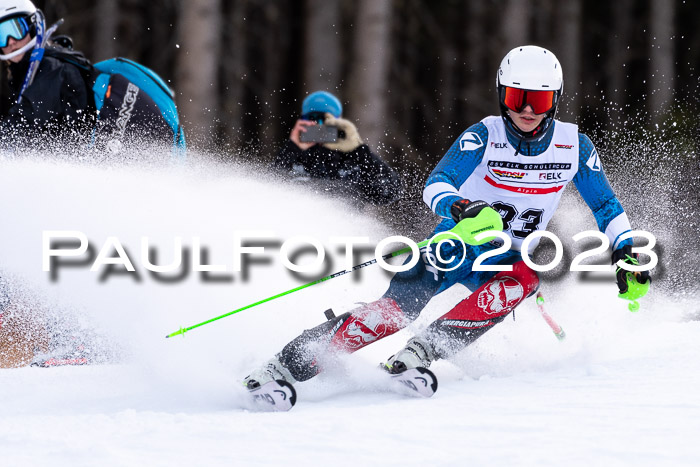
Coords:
pixel 622 389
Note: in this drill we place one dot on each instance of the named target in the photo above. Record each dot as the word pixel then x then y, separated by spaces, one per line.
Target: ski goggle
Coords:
pixel 517 99
pixel 16 28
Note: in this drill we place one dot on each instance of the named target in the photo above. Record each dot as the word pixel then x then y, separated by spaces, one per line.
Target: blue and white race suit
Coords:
pixel 524 182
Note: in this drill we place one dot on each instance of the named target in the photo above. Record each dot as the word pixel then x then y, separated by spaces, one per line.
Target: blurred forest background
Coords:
pixel 412 74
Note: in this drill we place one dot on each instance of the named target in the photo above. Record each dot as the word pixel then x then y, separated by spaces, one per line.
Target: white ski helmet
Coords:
pixel 17 19
pixel 12 8
pixel 529 75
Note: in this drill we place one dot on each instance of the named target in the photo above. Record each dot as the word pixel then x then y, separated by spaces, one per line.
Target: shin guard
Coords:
pixel 345 333
pixel 481 310
pixel 367 324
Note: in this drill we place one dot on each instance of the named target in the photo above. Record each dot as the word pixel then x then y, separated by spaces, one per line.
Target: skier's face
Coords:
pixel 527 120
pixel 13 45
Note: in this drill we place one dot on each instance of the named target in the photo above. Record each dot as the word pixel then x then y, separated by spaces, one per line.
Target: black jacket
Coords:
pixel 59 106
pixel 57 100
pixel 360 172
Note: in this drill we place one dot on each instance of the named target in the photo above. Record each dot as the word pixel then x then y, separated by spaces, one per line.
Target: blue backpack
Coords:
pixel 151 84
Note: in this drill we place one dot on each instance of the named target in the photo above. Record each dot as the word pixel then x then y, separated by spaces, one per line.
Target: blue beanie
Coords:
pixel 322 101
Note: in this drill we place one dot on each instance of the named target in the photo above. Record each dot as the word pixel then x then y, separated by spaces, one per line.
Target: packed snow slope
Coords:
pixel 622 389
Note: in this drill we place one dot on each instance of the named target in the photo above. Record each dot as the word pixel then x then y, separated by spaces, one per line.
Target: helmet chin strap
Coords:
pixel 26 47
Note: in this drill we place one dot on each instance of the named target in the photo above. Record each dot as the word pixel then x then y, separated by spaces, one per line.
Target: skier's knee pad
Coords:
pixel 345 333
pixel 499 295
pixel 526 276
pixel 481 310
pixel 368 323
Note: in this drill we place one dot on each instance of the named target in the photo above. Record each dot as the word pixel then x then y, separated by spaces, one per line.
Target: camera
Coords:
pixel 319 134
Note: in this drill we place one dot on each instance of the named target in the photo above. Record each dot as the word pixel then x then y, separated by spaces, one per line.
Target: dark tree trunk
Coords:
pixel 197 72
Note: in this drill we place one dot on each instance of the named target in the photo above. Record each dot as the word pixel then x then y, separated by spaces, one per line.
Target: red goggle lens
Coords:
pixel 517 99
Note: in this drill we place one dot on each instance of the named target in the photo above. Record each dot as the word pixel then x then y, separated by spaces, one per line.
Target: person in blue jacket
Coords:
pixel 516 165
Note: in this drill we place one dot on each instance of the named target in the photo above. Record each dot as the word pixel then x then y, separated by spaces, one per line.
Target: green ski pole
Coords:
pixel 467 229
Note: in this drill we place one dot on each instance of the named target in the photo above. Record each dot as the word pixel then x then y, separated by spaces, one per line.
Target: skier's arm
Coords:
pixel 591 182
pixel 442 187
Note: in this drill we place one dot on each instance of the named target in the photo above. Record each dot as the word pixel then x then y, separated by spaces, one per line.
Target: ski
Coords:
pixel 51 362
pixel 415 382
pixel 275 396
pixel 280 396
pixel 67 355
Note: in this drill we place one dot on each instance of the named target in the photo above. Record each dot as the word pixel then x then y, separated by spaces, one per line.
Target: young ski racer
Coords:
pixel 516 165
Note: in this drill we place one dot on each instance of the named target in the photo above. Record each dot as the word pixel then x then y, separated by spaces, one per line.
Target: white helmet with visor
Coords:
pixel 529 75
pixel 16 22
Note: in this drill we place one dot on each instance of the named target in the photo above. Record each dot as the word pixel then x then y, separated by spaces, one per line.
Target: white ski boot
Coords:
pixel 409 367
pixel 272 370
pixel 271 387
pixel 417 353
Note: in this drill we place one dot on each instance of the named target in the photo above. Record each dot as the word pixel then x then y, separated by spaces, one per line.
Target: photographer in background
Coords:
pixel 323 145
